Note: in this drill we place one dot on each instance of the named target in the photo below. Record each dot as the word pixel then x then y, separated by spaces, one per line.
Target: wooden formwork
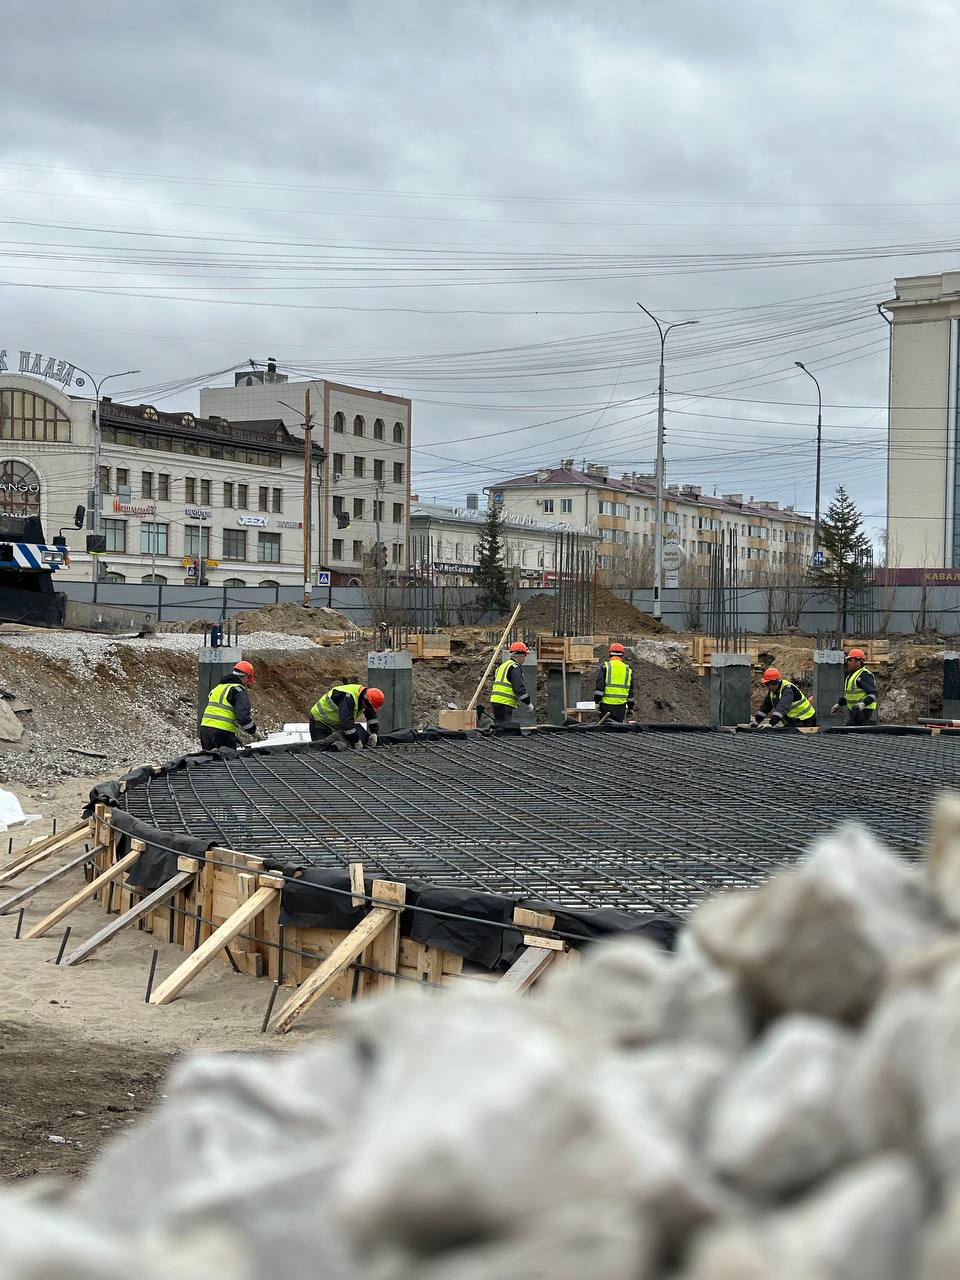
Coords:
pixel 226 908
pixel 568 649
pixel 429 645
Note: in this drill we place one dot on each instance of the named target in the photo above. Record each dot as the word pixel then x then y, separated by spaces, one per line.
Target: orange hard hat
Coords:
pixel 616 647
pixel 244 670
pixel 519 647
pixel 770 676
pixel 857 653
pixel 376 698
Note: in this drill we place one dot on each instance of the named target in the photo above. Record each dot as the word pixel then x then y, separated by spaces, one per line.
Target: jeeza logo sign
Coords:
pixel 41 366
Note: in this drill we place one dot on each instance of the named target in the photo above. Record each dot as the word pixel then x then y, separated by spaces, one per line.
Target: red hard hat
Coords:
pixel 245 670
pixel 519 647
pixel 375 698
pixel 770 676
pixel 857 653
pixel 617 648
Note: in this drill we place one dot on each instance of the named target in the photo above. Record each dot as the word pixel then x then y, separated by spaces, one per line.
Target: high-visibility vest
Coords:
pixel 219 713
pixel 856 696
pixel 326 710
pixel 502 691
pixel 618 682
pixel 801 708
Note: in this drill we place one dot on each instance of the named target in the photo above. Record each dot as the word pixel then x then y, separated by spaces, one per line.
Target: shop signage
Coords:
pixel 260 521
pixel 134 508
pixel 41 366
pixel 289 524
pixel 198 513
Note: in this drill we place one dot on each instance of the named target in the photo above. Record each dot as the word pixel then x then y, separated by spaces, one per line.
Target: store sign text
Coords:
pixel 41 366
pixel 289 524
pixel 135 508
pixel 198 513
pixel 259 521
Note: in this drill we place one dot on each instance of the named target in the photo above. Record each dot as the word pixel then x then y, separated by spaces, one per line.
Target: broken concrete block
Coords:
pixel 943 858
pixel 778 1123
pixel 11 730
pixel 674 1083
pixel 740 1253
pixel 821 937
pixel 940 1251
pixel 938 1062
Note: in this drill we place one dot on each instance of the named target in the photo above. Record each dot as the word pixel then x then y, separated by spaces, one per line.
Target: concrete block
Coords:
pixel 951 686
pixel 730 688
pixel 562 692
pixel 828 680
pixel 213 666
pixel 393 673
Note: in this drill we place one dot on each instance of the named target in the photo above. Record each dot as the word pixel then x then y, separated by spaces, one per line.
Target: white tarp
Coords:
pixel 11 812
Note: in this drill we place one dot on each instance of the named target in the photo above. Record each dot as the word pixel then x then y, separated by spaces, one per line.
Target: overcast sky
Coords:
pixel 463 202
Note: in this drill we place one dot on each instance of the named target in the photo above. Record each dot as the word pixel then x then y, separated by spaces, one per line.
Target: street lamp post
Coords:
pixel 96 524
pixel 816 514
pixel 662 330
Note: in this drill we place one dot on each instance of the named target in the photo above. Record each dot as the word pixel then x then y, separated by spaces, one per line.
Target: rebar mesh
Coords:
pixel 642 822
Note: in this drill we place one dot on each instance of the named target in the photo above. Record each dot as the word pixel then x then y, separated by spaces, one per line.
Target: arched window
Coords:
pixel 25 416
pixel 156 578
pixel 398 433
pixel 378 429
pixel 338 422
pixel 234 582
pixel 111 576
pixel 19 488
pixel 268 582
pixel 358 425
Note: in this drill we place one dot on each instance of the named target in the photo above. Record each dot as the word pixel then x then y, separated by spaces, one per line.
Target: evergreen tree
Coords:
pixel 848 553
pixel 491 574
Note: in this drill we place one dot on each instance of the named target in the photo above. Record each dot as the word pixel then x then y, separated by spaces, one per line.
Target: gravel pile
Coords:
pixel 86 652
pixel 776 1100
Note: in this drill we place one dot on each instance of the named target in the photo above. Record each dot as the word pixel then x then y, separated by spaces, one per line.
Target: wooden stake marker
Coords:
pixel 82 895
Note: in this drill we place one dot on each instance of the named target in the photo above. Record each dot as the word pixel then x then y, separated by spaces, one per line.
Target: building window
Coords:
pixel 378 507
pixel 146 484
pixel 235 544
pixel 278 500
pixel 153 579
pixel 398 473
pixel 123 484
pixel 357 550
pixel 338 465
pixel 338 548
pixel 378 429
pixel 113 577
pixel 358 508
pixel 234 582
pixel 337 505
pixel 196 540
pixel 205 493
pixel 398 513
pixel 228 493
pixel 104 473
pixel 338 423
pixel 163 487
pixel 398 433
pixel 190 490
pixel 243 496
pixel 115 532
pixel 566 506
pixel 398 553
pixel 25 416
pixel 153 538
pixel 358 467
pixel 358 425
pixel 268 547
pixel 262 501
pixel 378 470
pixel 548 506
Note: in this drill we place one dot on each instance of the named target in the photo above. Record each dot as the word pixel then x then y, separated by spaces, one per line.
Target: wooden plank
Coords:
pixel 31 889
pixel 493 658
pixel 525 919
pixel 527 968
pixel 384 951
pixel 335 964
pixel 359 898
pixel 130 916
pixel 171 987
pixel 44 849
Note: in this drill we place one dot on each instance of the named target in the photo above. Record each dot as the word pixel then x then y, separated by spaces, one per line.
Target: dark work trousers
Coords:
pixel 860 715
pixel 800 724
pixel 320 732
pixel 502 714
pixel 211 739
pixel 617 712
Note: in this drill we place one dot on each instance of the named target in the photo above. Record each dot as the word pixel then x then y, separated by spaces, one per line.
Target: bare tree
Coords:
pixel 891 560
pixel 694 588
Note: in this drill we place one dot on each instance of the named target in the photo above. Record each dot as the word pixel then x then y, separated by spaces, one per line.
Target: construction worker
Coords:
pixel 859 692
pixel 613 689
pixel 785 705
pixel 228 710
pixel 508 688
pixel 337 714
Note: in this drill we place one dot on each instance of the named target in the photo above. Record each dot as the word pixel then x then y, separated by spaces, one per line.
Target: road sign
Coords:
pixel 671 580
pixel 498 499
pixel 672 557
pixel 818 558
pixel 191 570
pixel 323 579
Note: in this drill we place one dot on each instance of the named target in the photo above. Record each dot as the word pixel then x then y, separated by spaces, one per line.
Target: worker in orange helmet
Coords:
pixel 509 689
pixel 784 705
pixel 859 691
pixel 228 710
pixel 613 687
pixel 339 712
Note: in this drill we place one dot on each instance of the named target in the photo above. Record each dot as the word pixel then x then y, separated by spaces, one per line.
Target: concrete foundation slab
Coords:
pixel 951 686
pixel 393 673
pixel 829 676
pixel 563 690
pixel 730 688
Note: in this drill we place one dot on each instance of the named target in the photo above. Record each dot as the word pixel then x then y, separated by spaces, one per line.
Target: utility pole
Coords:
pixel 94 515
pixel 662 330
pixel 816 515
pixel 307 494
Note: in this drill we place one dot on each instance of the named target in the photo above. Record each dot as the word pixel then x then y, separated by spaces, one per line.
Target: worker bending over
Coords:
pixel 509 689
pixel 228 710
pixel 859 692
pixel 785 705
pixel 613 690
pixel 338 713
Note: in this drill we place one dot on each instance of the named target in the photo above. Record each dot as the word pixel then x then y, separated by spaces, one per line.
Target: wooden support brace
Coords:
pixel 218 940
pixel 359 898
pixel 82 895
pixel 23 894
pixel 538 954
pixel 38 852
pixel 130 916
pixel 384 951
pixel 336 964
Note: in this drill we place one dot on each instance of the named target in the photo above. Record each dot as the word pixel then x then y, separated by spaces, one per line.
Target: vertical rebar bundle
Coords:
pixel 575 567
pixel 723 602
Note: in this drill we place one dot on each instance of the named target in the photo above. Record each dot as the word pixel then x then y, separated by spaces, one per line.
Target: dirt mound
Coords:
pixel 611 614
pixel 286 619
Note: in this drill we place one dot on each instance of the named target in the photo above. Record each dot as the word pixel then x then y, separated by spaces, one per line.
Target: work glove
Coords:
pixel 356 746
pixel 598 698
pixel 252 731
pixel 765 725
pixel 372 740
pixel 835 709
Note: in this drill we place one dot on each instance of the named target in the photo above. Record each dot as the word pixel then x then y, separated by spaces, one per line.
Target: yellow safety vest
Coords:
pixel 326 710
pixel 801 708
pixel 618 681
pixel 855 695
pixel 502 691
pixel 219 713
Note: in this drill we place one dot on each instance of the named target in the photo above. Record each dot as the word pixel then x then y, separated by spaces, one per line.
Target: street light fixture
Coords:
pixel 96 522
pixel 816 516
pixel 662 330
